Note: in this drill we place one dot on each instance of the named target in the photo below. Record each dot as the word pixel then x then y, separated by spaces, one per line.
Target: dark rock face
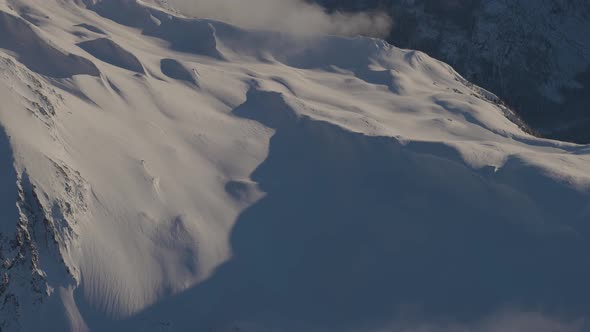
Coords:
pixel 38 55
pixel 110 52
pixel 534 54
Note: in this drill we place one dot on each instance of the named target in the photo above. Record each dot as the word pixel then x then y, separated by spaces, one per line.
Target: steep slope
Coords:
pixel 254 180
pixel 535 54
pixel 19 37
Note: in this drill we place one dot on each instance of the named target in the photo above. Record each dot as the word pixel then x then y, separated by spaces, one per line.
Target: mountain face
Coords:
pixel 534 54
pixel 161 173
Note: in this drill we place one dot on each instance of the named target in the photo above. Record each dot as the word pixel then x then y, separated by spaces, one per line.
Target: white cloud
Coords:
pixel 296 16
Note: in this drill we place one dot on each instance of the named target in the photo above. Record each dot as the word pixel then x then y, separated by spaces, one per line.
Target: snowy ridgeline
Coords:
pixel 535 54
pixel 167 174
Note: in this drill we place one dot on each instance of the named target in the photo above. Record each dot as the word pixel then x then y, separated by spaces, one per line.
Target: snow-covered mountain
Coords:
pixel 169 174
pixel 534 54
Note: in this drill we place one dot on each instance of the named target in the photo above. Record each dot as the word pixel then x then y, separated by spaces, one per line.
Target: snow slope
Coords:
pixel 161 173
pixel 534 54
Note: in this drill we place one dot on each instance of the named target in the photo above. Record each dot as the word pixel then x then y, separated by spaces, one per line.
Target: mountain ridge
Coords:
pixel 300 184
pixel 533 54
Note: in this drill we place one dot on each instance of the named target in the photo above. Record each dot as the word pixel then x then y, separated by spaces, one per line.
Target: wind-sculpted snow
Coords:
pixel 184 35
pixel 354 226
pixel 174 69
pixel 110 52
pixel 533 54
pixel 34 52
pixel 255 180
pixel 91 28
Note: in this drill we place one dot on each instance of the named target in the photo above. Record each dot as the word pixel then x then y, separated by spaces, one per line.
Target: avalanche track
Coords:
pixel 172 174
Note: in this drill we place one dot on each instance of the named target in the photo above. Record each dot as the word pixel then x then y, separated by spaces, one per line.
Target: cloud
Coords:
pixel 296 16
